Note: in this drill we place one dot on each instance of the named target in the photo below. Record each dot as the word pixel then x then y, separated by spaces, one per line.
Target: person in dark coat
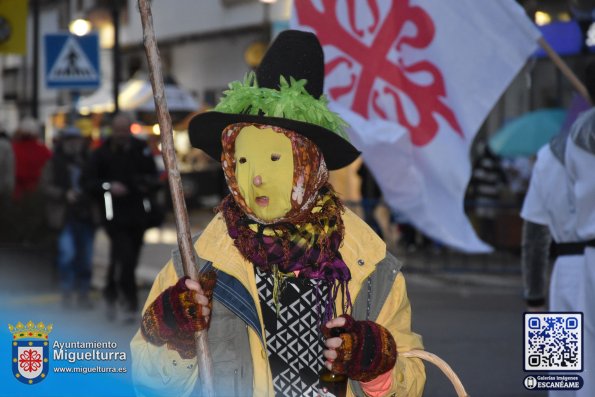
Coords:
pixel 6 183
pixel 122 174
pixel 72 214
pixel 6 170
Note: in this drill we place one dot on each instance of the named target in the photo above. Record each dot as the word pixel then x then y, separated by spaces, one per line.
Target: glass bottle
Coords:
pixel 329 383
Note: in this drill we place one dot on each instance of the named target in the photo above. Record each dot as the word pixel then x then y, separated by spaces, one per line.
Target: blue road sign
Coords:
pixel 71 62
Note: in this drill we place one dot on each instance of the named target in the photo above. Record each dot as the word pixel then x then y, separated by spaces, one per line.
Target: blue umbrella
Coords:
pixel 526 134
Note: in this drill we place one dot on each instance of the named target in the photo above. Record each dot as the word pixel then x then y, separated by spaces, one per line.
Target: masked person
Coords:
pixel 285 267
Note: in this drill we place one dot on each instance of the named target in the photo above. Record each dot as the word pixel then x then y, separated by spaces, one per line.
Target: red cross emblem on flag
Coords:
pixel 367 70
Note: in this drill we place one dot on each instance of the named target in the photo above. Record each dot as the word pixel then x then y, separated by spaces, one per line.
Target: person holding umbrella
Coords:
pixel 292 282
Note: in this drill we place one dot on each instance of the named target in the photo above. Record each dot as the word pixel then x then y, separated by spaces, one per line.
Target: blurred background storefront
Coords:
pixel 203 46
pixel 206 44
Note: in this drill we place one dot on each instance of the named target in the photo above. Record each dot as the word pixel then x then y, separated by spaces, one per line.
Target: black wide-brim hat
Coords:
pixel 294 54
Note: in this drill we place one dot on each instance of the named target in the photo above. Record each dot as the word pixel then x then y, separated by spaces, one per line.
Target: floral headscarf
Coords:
pixel 309 176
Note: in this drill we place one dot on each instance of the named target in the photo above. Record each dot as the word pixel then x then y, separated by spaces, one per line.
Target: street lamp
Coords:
pixel 542 18
pixel 80 27
pixel 105 17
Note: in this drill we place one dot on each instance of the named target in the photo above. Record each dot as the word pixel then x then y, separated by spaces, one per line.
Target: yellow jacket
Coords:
pixel 161 372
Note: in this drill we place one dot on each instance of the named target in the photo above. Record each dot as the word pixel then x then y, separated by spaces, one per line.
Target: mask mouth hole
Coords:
pixel 262 201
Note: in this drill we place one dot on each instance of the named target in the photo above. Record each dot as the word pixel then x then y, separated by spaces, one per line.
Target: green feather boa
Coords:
pixel 290 101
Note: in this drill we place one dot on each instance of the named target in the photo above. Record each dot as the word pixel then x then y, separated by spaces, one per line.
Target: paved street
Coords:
pixel 476 328
pixel 472 321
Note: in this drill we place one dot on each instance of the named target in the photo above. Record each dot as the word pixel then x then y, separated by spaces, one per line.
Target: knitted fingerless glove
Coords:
pixel 368 350
pixel 174 316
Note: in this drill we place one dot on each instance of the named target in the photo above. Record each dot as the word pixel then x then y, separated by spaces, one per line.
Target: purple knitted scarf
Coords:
pixel 310 247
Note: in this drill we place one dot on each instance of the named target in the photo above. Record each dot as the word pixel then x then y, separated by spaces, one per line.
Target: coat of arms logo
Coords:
pixel 30 351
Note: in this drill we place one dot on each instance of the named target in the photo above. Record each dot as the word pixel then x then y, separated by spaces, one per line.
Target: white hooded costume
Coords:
pixel 549 202
pixel 580 166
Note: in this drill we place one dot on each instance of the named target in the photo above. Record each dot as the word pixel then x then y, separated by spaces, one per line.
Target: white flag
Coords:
pixel 415 79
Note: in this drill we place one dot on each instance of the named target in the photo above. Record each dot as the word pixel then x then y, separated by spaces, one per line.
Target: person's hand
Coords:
pixel 179 312
pixel 118 189
pixel 360 349
pixel 72 196
pixel 201 298
pixel 334 342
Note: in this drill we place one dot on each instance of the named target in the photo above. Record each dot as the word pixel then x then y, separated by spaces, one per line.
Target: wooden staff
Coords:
pixel 175 184
pixel 566 71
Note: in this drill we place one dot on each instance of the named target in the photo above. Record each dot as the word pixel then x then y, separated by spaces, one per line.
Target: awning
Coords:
pixel 136 95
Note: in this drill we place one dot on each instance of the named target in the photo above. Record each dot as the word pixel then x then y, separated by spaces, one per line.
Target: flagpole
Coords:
pixel 566 71
pixel 175 183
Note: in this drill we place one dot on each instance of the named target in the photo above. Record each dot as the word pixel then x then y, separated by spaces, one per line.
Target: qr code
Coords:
pixel 553 342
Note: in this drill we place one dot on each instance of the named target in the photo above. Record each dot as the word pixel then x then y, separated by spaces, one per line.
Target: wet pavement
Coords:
pixel 471 319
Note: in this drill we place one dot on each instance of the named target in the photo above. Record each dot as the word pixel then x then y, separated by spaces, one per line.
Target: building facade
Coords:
pixel 206 44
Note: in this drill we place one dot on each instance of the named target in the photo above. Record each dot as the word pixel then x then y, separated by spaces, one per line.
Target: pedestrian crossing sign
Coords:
pixel 71 62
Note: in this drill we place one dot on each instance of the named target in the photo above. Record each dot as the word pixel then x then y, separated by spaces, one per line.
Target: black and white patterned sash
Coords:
pixel 294 342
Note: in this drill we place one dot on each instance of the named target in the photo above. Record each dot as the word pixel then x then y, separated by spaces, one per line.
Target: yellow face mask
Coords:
pixel 264 171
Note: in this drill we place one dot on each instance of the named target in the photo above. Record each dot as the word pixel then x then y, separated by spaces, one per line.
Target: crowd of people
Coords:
pixel 80 187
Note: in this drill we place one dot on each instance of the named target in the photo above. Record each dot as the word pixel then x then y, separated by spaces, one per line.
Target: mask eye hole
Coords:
pixel 275 157
pixel 242 160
